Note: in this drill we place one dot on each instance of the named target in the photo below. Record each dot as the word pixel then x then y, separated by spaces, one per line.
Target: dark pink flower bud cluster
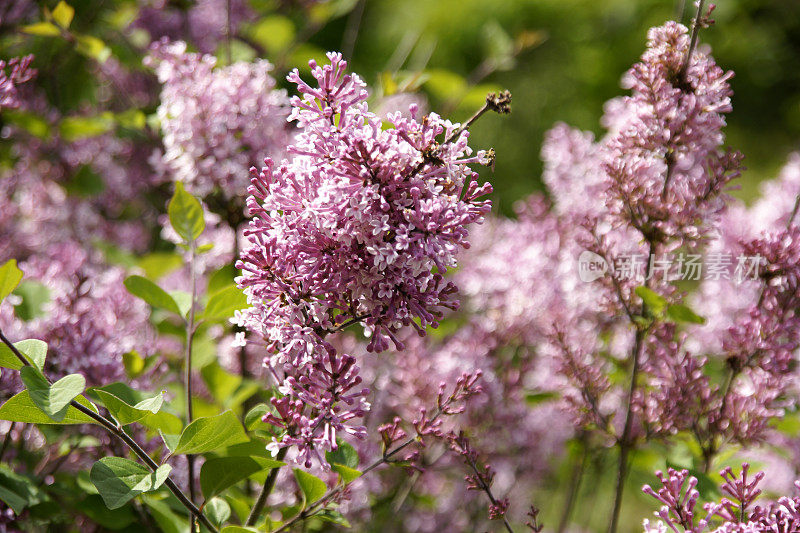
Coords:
pixel 13 73
pixel 732 514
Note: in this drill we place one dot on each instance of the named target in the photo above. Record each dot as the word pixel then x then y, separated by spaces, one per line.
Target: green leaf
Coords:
pixel 167 519
pixel 75 128
pixel 222 304
pixel 221 279
pixel 47 29
pixel 8 359
pixel 221 384
pixel 184 301
pixel 85 183
pixel 133 362
pixel 10 276
pixel 186 214
pixel 63 14
pixel 253 417
pixel 654 301
pixel 239 529
pixel 92 47
pixel 17 491
pixel 344 454
pixel 151 293
pixel 536 398
pixel 164 422
pixel 313 487
pixel 211 433
pixel 125 413
pixel 158 264
pixel 35 350
pixel 30 122
pixel 346 473
pixel 218 511
pixel 20 408
pixel 119 480
pixel 275 33
pixel 53 399
pixel 682 313
pixel 34 296
pixel 132 119
pixel 445 85
pixel 170 440
pixel 112 519
pixel 335 517
pixel 219 473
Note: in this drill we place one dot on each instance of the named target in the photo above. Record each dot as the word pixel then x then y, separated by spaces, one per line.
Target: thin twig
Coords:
pixel 269 484
pixel 118 432
pixel 7 439
pixel 320 503
pixel 351 31
pixel 624 440
pixel 487 489
pixel 693 42
pixel 574 487
pixel 190 330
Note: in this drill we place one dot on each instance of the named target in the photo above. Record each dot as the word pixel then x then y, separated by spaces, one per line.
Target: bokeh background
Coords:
pixel 562 59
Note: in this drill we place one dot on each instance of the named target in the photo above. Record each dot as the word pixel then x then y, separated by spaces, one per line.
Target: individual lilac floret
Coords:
pixel 217 122
pixel 13 73
pixel 360 226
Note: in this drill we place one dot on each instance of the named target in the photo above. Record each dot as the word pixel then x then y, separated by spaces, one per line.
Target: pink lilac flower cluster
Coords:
pixel 511 422
pixel 752 323
pixel 735 512
pixel 13 73
pixel 216 122
pixel 655 183
pixel 359 226
pixel 89 320
pixel 665 170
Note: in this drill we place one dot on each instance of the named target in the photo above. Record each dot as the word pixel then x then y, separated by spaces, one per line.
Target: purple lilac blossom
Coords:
pixel 217 122
pixel 359 226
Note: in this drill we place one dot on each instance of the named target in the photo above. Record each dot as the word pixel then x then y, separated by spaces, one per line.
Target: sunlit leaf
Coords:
pixel 118 480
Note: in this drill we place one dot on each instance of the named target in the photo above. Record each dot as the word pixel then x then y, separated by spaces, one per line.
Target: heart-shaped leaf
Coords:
pixel 313 487
pixel 20 408
pixel 10 276
pixel 151 293
pixel 53 399
pixel 186 214
pixel 211 433
pixel 119 480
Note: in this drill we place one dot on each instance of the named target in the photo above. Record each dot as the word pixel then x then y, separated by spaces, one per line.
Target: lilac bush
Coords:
pixel 240 296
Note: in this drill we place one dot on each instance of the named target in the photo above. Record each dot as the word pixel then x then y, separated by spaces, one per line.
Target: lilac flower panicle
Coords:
pixel 666 170
pixel 217 121
pixel 359 226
